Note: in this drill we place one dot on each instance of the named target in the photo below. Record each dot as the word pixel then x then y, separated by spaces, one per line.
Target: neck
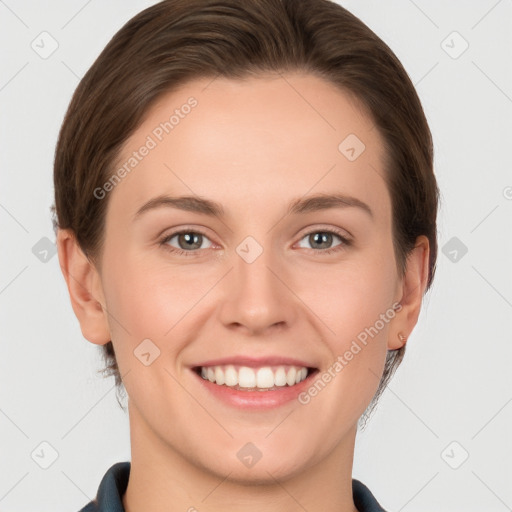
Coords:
pixel 161 478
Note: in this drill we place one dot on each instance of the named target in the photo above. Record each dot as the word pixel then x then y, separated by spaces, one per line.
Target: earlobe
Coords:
pixel 413 287
pixel 84 287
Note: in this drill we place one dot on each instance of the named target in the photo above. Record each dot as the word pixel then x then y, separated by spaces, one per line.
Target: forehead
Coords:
pixel 259 137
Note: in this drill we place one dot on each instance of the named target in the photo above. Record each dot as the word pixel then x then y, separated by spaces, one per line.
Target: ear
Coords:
pixel 84 287
pixel 413 287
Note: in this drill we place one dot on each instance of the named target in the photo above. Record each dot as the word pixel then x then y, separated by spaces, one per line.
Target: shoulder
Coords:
pixel 364 500
pixel 110 492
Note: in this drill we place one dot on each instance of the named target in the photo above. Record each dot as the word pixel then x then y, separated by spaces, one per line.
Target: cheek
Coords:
pixel 354 312
pixel 353 306
pixel 149 301
pixel 350 296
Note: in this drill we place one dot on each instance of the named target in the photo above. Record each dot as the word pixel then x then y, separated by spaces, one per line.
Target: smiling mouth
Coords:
pixel 245 378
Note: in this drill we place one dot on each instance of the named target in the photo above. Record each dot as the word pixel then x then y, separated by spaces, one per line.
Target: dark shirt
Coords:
pixel 114 483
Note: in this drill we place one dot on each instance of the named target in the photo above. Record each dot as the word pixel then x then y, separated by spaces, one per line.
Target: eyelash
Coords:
pixel 345 242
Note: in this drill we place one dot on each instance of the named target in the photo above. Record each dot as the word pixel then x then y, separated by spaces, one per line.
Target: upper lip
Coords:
pixel 255 361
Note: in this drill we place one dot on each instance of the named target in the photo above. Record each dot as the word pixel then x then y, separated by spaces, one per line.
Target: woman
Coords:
pixel 246 222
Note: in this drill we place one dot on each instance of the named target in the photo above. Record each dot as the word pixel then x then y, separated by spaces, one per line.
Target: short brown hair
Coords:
pixel 176 41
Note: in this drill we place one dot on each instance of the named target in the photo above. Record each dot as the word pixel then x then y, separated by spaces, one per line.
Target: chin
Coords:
pixel 248 465
pixel 263 472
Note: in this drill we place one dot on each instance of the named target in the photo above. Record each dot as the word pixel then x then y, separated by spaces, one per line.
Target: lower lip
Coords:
pixel 256 399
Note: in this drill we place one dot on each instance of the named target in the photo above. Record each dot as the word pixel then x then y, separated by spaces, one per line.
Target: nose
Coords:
pixel 256 297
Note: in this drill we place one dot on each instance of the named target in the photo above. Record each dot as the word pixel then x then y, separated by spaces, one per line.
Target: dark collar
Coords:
pixel 114 483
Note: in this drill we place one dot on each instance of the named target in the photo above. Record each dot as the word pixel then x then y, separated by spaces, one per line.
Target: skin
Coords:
pixel 253 146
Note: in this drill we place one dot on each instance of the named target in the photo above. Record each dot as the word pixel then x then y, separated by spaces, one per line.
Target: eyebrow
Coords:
pixel 305 205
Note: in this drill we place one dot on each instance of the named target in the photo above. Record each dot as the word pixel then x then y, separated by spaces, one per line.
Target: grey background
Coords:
pixel 451 398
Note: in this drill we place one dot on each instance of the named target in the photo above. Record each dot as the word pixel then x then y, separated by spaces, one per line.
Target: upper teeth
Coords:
pixel 246 377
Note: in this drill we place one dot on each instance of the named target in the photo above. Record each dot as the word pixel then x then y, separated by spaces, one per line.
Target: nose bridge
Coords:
pixel 256 296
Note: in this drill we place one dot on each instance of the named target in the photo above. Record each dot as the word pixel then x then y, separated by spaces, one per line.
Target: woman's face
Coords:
pixel 277 279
